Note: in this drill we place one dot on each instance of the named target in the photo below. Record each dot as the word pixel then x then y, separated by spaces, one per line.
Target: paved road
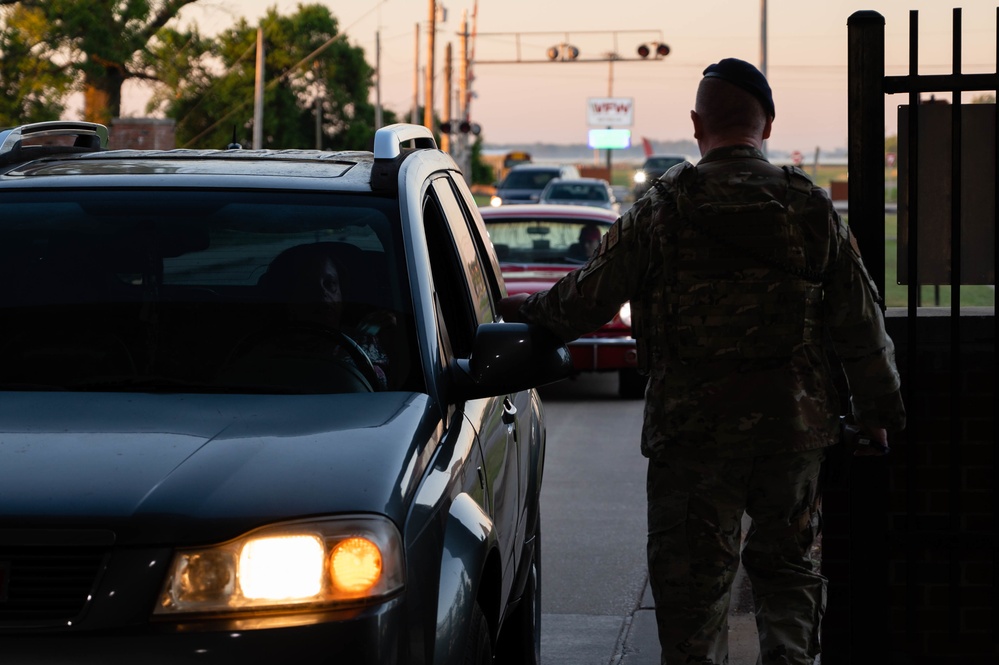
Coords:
pixel 596 606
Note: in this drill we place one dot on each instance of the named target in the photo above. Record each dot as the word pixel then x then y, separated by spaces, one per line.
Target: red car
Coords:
pixel 536 245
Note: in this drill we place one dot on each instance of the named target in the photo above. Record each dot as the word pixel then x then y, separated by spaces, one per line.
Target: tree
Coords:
pixel 32 86
pixel 104 40
pixel 308 65
pixel 482 172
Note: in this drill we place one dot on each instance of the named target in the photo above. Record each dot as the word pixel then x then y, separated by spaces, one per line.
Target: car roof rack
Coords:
pixel 90 137
pixel 389 151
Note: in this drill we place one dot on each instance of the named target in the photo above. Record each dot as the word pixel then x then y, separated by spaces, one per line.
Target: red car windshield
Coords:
pixel 545 241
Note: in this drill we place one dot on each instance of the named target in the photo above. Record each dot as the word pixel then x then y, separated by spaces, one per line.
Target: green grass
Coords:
pixel 897 295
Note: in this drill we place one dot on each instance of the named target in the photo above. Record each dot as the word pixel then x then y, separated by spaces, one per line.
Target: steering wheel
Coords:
pixel 359 365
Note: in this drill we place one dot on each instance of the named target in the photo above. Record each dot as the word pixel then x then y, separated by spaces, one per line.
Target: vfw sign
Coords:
pixel 610 111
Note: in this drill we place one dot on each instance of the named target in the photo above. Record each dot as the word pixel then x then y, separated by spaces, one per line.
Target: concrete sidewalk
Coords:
pixel 640 641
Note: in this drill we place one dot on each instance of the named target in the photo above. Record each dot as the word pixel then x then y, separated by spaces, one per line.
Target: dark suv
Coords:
pixel 257 407
pixel 525 182
pixel 654 167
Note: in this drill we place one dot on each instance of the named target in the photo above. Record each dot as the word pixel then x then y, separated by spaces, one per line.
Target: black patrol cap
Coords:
pixel 746 76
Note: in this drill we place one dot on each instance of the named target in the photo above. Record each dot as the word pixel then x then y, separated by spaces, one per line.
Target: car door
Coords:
pixel 475 288
pixel 529 434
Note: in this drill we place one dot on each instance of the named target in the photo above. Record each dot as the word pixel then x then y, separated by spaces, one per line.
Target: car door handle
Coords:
pixel 509 412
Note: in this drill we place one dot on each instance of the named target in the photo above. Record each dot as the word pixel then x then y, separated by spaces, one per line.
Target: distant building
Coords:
pixel 143 134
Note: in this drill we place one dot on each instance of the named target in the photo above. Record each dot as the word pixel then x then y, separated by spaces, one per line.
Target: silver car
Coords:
pixel 582 192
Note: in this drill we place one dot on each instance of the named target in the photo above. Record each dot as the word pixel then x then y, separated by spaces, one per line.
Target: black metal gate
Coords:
pixel 919 582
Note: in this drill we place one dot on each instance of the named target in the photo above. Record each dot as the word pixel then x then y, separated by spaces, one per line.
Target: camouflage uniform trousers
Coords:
pixel 695 532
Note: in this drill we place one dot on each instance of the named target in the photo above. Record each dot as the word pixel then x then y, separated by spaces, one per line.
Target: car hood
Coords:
pixel 527 278
pixel 517 194
pixel 574 202
pixel 180 468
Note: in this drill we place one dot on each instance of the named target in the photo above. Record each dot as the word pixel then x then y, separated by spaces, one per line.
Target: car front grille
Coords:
pixel 51 582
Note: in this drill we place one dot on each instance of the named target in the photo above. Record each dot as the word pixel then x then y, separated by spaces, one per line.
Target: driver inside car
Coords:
pixel 312 282
pixel 589 240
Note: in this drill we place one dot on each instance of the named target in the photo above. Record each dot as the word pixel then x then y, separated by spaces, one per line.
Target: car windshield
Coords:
pixel 576 192
pixel 662 163
pixel 528 179
pixel 184 292
pixel 544 241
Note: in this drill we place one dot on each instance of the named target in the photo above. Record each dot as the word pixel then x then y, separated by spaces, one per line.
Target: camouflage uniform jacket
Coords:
pixel 729 405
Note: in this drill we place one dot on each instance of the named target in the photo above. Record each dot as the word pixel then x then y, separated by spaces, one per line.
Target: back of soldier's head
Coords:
pixel 724 107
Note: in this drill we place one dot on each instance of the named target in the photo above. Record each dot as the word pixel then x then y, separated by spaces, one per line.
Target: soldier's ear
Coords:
pixel 698 124
pixel 767 128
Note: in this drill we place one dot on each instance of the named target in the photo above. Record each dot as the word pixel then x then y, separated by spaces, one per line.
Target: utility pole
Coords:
pixel 258 94
pixel 446 104
pixel 416 79
pixel 378 80
pixel 319 107
pixel 763 37
pixel 610 93
pixel 462 148
pixel 763 47
pixel 428 87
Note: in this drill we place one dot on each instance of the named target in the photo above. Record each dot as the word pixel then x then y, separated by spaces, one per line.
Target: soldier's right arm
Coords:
pixel 589 297
pixel 856 324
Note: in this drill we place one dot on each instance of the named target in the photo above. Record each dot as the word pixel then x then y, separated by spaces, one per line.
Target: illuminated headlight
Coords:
pixel 496 202
pixel 625 314
pixel 300 564
pixel 640 177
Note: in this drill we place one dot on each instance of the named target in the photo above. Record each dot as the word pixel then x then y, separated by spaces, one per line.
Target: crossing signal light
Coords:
pixel 459 127
pixel 661 50
pixel 563 52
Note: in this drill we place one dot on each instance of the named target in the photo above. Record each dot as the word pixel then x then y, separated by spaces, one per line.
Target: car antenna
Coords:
pixel 234 145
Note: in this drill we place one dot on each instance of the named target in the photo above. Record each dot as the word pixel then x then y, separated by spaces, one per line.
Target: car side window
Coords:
pixel 480 236
pixel 476 273
pixel 459 275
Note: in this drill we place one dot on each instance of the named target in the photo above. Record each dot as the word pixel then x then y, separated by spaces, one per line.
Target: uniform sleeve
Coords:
pixel 857 327
pixel 589 297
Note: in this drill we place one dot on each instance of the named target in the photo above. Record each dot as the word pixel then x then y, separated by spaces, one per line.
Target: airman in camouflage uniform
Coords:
pixel 743 282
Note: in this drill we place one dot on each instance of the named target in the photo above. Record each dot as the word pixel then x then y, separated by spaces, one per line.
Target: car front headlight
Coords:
pixel 640 177
pixel 495 201
pixel 287 566
pixel 625 314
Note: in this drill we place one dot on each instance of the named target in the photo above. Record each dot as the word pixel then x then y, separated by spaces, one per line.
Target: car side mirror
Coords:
pixel 509 357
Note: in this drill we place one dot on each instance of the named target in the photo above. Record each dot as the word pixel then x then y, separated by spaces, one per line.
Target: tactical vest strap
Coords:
pixel 799 189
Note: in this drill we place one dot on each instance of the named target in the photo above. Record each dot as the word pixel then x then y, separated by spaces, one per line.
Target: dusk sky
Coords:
pixel 547 102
